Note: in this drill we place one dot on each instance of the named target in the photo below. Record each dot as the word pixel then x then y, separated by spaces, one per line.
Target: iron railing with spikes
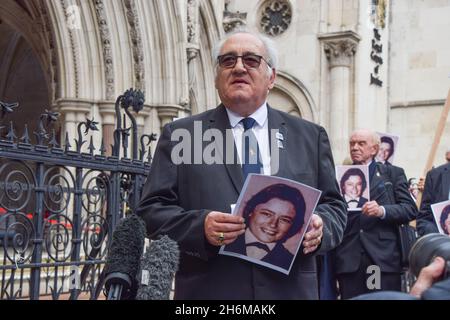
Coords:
pixel 60 203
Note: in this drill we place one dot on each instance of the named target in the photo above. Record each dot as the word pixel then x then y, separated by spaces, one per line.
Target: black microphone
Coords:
pixel 158 267
pixel 122 263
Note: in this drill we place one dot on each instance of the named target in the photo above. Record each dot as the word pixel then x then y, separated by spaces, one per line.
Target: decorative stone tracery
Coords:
pixel 136 40
pixel 105 36
pixel 276 16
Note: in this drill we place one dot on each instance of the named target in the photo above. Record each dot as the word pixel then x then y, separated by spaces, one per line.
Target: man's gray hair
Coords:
pixel 375 137
pixel 269 45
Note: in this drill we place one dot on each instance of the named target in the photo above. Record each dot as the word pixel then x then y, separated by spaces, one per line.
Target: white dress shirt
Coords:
pixel 254 252
pixel 261 131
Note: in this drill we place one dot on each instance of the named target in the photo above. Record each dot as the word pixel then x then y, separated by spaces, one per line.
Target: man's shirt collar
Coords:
pixel 260 115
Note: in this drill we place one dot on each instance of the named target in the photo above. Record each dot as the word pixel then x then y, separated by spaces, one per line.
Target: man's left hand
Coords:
pixel 313 236
pixel 372 209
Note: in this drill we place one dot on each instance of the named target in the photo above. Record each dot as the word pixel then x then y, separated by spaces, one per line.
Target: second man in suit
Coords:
pixel 437 189
pixel 371 237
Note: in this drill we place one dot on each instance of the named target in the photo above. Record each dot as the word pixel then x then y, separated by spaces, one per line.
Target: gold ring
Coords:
pixel 221 238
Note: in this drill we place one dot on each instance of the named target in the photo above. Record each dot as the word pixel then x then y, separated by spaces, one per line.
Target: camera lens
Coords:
pixel 426 249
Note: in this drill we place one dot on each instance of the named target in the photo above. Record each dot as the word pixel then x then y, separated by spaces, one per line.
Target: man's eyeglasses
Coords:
pixel 250 60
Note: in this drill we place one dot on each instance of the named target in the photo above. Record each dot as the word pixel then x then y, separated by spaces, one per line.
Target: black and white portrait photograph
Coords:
pixel 353 182
pixel 388 146
pixel 276 213
pixel 441 212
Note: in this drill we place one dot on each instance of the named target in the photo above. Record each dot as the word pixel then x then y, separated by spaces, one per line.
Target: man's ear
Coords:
pixel 215 80
pixel 273 76
pixel 376 147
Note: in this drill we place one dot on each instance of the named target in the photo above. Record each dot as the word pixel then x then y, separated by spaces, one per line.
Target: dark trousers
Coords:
pixel 327 278
pixel 355 283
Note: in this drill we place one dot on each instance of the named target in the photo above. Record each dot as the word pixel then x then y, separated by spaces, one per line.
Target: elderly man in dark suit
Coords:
pixel 189 199
pixel 437 189
pixel 371 237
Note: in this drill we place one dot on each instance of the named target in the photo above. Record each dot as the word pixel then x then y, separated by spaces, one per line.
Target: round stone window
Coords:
pixel 276 17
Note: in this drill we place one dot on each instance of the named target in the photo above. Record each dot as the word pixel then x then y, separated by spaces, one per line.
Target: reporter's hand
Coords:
pixel 217 223
pixel 428 276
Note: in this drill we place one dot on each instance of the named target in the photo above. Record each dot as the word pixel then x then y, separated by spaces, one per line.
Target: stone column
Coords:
pixel 340 48
pixel 108 114
pixel 192 51
pixel 167 113
pixel 141 118
pixel 73 112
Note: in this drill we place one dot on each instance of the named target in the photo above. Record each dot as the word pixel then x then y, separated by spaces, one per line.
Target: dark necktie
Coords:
pixel 251 158
pixel 352 202
pixel 259 245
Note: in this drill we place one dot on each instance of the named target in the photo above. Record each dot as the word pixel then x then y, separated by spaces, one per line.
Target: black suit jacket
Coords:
pixel 177 198
pixel 377 237
pixel 437 186
pixel 278 256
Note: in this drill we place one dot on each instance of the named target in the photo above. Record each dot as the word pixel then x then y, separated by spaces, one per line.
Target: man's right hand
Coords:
pixel 219 224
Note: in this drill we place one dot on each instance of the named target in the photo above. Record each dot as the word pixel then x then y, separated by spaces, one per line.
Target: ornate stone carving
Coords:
pixel 136 40
pixel 233 20
pixel 340 52
pixel 276 17
pixel 74 54
pixel 192 21
pixel 192 53
pixel 105 37
pixel 340 47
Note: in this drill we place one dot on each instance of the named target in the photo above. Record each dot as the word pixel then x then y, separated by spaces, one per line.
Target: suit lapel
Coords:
pixel 446 183
pixel 375 182
pixel 220 121
pixel 277 142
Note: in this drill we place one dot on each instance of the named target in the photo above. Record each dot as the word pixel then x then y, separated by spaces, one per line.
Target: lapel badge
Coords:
pixel 279 136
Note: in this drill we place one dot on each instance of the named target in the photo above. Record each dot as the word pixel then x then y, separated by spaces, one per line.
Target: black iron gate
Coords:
pixel 60 204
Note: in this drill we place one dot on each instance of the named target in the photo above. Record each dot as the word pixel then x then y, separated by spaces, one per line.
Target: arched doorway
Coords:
pixel 22 77
pixel 291 96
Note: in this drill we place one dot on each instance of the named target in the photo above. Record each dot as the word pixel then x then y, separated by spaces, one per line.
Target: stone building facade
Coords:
pixel 344 64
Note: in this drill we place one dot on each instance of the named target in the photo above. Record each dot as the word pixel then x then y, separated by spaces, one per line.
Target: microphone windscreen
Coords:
pixel 158 267
pixel 127 246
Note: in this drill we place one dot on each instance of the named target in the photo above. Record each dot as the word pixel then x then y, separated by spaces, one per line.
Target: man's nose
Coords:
pixel 239 66
pixel 273 222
